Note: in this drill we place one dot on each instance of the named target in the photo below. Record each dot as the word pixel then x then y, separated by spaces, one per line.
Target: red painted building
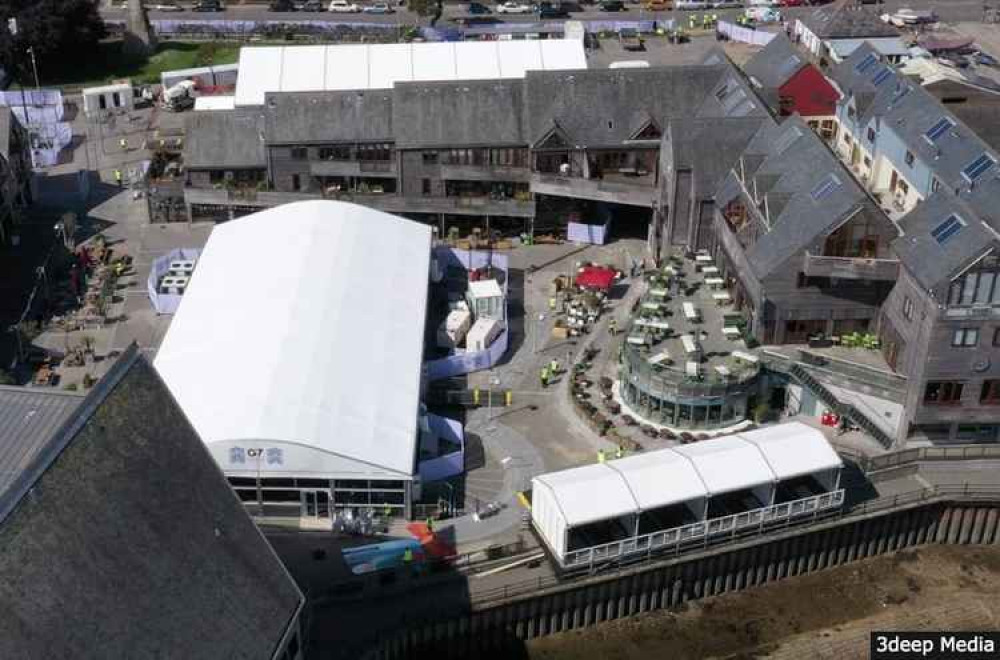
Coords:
pixel 808 93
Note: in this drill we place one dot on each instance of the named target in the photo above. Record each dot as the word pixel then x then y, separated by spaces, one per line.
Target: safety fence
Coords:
pixel 167 303
pixel 696 533
pixel 577 232
pixel 921 454
pixel 744 35
pixel 464 362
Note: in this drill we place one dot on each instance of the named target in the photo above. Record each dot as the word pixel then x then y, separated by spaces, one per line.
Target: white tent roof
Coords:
pixel 379 66
pixel 728 463
pixel 794 449
pixel 589 493
pixel 660 478
pixel 304 324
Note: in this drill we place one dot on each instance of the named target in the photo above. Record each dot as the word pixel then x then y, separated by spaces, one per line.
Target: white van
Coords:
pixel 683 5
pixel 764 3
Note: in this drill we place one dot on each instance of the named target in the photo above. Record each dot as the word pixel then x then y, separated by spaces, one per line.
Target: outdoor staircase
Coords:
pixel 845 410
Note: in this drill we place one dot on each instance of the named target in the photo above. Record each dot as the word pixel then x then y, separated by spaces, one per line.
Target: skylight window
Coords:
pixel 935 132
pixel 944 231
pixel 978 167
pixel 825 187
pixel 722 92
pixel 868 62
pixel 882 76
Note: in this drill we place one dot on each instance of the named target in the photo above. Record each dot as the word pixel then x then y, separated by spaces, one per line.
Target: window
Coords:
pixel 965 338
pixel 871 134
pixel 300 153
pixel 296 182
pixel 978 167
pixel 426 185
pixel 722 92
pixel 866 63
pixel 935 185
pixel 907 308
pixel 943 392
pixel 909 158
pixel 944 231
pixel 940 127
pixel 882 76
pixel 335 152
pixel 990 393
pixel 851 112
pixel 979 285
pixel 823 189
pixel 430 157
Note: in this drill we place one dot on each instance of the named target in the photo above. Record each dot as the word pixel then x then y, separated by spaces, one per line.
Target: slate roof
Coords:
pixel 126 541
pixel 909 111
pixel 775 64
pixel 709 147
pixel 933 264
pixel 597 108
pixel 464 113
pixel 318 117
pixel 787 171
pixel 28 419
pixel 978 108
pixel 843 20
pixel 224 139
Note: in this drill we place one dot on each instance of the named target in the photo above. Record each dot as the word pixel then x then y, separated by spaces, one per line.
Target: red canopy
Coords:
pixel 594 277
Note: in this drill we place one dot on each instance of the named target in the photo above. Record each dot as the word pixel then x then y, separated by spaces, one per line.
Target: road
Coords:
pixel 950 11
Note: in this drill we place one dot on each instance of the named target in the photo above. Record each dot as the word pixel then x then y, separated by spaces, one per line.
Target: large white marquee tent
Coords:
pixel 379 66
pixel 296 351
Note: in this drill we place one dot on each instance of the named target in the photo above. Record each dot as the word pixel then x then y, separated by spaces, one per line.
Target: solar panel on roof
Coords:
pixel 882 76
pixel 978 167
pixel 938 129
pixel 868 62
pixel 944 231
pixel 825 187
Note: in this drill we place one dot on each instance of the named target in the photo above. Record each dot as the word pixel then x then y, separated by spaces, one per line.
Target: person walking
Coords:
pixel 613 327
pixel 554 366
pixel 600 456
pixel 619 453
pixel 545 377
pixel 118 177
pixel 123 143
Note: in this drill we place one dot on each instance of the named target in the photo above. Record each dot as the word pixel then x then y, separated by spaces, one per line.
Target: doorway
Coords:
pixel 315 504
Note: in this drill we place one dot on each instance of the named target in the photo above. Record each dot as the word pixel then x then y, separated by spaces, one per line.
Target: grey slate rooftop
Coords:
pixel 316 117
pixel 225 138
pixel 127 542
pixel 775 64
pixel 29 417
pixel 844 20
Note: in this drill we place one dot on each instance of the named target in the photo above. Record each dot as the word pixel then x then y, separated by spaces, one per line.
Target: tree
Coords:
pixel 62 33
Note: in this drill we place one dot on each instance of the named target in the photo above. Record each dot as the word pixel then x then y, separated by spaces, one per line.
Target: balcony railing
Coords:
pixel 485 173
pixel 353 168
pixel 852 268
pixel 699 531
pixel 670 380
pixel 623 190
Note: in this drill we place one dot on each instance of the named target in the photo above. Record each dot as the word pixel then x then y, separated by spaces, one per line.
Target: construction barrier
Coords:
pixel 745 35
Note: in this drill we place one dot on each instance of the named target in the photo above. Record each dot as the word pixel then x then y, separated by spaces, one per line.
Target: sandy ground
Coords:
pixel 822 616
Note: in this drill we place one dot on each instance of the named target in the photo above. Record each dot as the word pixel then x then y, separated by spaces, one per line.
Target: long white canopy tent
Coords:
pixel 689 475
pixel 379 66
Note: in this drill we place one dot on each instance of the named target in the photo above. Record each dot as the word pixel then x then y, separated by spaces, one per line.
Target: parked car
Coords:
pixel 208 5
pixel 696 5
pixel 164 5
pixel 658 5
pixel 310 5
pixel 281 5
pixel 793 3
pixel 378 8
pixel 475 20
pixel 630 39
pixel 765 3
pixel 613 5
pixel 552 10
pixel 985 59
pixel 343 7
pixel 763 14
pixel 514 8
pixel 727 4
pixel 478 9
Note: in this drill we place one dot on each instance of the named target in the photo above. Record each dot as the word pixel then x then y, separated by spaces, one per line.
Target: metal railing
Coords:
pixel 920 454
pixel 697 532
pixel 664 379
pixel 850 267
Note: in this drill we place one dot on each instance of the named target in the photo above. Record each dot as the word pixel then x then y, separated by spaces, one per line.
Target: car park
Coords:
pixel 688 5
pixel 727 4
pixel 552 10
pixel 310 5
pixel 281 5
pixel 658 5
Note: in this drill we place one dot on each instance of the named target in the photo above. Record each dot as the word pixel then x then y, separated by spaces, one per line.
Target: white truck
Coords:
pixel 453 329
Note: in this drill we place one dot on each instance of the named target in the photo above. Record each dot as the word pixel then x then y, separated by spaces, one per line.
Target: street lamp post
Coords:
pixel 34 68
